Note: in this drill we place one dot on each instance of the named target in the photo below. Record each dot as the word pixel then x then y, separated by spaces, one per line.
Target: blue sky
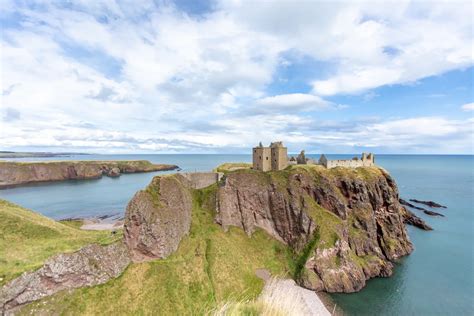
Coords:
pixel 220 76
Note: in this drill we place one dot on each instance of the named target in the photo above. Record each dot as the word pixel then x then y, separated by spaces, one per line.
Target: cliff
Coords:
pixel 346 224
pixel 17 173
pixel 330 229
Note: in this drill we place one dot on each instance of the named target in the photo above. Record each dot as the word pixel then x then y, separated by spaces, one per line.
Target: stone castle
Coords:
pixel 275 158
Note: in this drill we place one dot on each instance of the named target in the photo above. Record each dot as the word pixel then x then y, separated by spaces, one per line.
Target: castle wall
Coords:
pixel 349 163
pixel 279 158
pixel 199 180
pixel 262 158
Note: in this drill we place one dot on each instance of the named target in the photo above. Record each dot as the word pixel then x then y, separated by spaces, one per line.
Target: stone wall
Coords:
pixel 349 163
pixel 199 180
pixel 367 160
pixel 279 158
pixel 262 158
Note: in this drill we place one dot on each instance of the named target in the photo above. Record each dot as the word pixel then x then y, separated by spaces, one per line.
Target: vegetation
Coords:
pixel 209 268
pixel 27 239
pixel 232 166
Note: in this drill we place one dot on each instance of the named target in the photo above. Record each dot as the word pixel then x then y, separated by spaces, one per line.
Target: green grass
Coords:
pixel 329 225
pixel 27 239
pixel 232 166
pixel 209 268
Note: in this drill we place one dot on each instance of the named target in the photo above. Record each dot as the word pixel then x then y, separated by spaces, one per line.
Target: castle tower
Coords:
pixel 371 158
pixel 279 156
pixel 262 158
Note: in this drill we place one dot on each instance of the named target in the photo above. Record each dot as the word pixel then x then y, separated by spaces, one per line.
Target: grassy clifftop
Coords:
pixel 209 268
pixel 213 266
pixel 27 239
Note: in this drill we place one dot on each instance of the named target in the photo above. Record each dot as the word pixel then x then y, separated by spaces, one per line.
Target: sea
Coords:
pixel 436 279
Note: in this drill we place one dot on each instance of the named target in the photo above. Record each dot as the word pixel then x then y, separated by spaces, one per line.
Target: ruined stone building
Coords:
pixel 366 160
pixel 274 157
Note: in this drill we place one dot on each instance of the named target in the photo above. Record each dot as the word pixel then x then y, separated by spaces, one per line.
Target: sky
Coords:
pixel 142 76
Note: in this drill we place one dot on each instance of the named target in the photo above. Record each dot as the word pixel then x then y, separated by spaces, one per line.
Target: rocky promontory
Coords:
pixel 158 217
pixel 337 228
pixel 347 224
pixel 17 173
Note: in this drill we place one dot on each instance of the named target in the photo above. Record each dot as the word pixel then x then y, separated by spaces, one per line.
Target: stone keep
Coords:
pixel 279 156
pixel 274 157
pixel 262 158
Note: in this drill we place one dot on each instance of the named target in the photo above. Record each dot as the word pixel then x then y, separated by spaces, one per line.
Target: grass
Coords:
pixel 27 239
pixel 209 268
pixel 232 166
pixel 329 225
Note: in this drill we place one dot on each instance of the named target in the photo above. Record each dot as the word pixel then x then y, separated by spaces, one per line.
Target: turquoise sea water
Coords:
pixel 436 279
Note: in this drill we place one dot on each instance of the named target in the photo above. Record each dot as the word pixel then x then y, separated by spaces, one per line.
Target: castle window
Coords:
pixel 267 158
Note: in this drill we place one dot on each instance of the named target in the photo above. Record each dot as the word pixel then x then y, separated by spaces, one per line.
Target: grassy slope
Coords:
pixel 210 267
pixel 27 239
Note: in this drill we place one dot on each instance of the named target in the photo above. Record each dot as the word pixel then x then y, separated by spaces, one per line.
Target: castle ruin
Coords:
pixel 273 158
pixel 366 160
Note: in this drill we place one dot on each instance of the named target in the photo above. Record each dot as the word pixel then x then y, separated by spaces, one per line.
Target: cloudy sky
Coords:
pixel 220 76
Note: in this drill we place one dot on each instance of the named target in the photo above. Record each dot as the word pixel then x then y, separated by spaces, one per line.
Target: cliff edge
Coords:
pixel 346 224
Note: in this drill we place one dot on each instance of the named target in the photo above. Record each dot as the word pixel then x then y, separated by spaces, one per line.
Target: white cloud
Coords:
pixel 157 79
pixel 372 44
pixel 293 101
pixel 468 107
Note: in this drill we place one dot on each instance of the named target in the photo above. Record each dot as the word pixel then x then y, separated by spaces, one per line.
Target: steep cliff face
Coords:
pixel 347 224
pixel 16 173
pixel 158 217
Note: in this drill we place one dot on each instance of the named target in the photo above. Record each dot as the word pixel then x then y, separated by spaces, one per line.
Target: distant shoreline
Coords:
pixel 13 154
pixel 19 173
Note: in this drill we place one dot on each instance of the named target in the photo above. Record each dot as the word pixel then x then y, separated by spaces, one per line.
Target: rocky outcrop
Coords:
pixel 114 172
pixel 158 217
pixel 427 212
pixel 428 203
pixel 89 266
pixel 17 173
pixel 347 224
pixel 413 220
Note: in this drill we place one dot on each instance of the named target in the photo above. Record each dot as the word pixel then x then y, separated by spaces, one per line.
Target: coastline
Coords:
pixel 13 174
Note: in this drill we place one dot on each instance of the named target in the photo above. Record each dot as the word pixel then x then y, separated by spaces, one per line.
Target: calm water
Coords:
pixel 436 279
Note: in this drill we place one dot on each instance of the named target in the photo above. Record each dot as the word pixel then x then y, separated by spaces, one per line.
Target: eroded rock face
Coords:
pixel 158 217
pixel 89 266
pixel 114 172
pixel 356 213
